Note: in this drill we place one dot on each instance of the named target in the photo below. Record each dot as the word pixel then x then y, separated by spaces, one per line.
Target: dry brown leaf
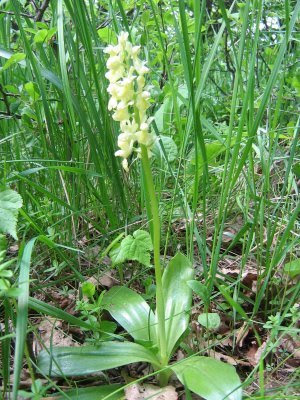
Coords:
pixel 108 280
pixel 51 334
pixel 259 352
pixel 91 252
pixel 250 355
pixel 223 357
pixel 291 345
pixel 248 276
pixel 93 280
pixel 228 235
pixel 140 392
pixel 25 378
pixel 224 342
pixel 223 329
pixel 254 353
pixel 180 355
pixel 13 249
pixel 49 398
pixel 62 301
pixel 242 333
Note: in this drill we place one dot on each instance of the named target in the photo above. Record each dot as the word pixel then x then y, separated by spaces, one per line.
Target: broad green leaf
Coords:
pixel 51 32
pixel 14 59
pixel 177 298
pixel 41 25
pixel 30 30
pixel 85 360
pixel 209 320
pixel 199 289
pixel 209 378
pixel 32 89
pixel 295 82
pixel 40 36
pixel 169 146
pixel 88 289
pixel 163 114
pixel 3 246
pixel 11 292
pixel 108 329
pixel 132 312
pixel 117 254
pixel 6 274
pixel 10 202
pixel 292 268
pixel 93 393
pixel 133 247
pixel 107 35
pixel 7 263
pixel 213 150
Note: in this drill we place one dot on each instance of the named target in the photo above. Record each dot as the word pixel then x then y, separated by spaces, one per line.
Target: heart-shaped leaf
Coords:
pixel 85 360
pixel 177 298
pixel 132 312
pixel 133 247
pixel 209 378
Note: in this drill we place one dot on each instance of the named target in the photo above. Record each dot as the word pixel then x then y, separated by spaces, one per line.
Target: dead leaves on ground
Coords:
pixel 51 332
pixel 146 391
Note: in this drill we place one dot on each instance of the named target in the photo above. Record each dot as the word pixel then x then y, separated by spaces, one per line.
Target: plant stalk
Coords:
pixel 160 306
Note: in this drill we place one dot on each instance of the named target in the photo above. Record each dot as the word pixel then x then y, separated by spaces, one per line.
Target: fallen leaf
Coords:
pixel 228 235
pixel 65 302
pixel 180 355
pixel 13 249
pixel 49 398
pixel 108 280
pixel 254 353
pixel 223 357
pixel 226 341
pixel 91 252
pixel 259 352
pixel 242 334
pixel 250 355
pixel 248 276
pixel 140 392
pixel 291 345
pixel 51 334
pixel 93 280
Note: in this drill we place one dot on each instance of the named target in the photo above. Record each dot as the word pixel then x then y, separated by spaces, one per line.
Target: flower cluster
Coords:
pixel 129 98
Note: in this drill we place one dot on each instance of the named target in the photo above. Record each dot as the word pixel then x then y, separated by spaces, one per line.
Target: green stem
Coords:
pixel 160 307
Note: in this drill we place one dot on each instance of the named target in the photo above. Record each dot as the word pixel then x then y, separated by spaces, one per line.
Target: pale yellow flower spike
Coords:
pixel 128 97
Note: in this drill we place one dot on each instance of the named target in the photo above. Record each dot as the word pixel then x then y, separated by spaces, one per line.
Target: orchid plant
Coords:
pixel 156 335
